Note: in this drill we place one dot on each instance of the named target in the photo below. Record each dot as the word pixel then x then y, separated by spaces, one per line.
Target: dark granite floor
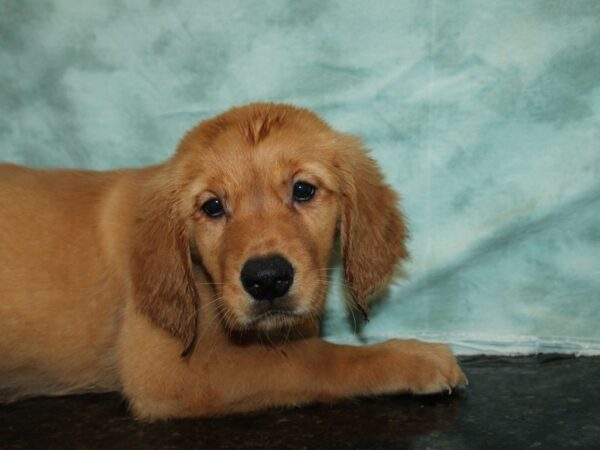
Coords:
pixel 543 402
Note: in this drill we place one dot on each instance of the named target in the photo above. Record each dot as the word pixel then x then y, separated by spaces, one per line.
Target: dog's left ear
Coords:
pixel 373 232
pixel 163 281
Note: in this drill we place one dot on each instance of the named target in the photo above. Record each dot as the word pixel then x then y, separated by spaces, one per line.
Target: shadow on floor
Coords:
pixel 545 402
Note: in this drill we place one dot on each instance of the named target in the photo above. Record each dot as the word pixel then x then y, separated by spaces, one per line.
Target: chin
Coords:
pixel 278 320
pixel 268 320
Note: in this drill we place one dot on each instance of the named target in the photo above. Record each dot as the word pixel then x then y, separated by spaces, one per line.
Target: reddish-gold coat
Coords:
pixel 117 281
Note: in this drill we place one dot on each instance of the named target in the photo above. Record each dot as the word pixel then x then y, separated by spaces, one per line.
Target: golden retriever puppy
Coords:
pixel 194 286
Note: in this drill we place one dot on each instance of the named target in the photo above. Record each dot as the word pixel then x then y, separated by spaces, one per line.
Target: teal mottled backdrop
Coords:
pixel 484 115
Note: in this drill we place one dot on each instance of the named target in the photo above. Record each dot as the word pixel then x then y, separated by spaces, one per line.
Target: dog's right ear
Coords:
pixel 161 268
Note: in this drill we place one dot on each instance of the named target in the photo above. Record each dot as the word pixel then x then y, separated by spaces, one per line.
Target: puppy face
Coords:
pixel 259 195
pixel 264 214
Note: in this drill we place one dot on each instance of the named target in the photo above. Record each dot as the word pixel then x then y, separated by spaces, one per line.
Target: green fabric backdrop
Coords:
pixel 484 115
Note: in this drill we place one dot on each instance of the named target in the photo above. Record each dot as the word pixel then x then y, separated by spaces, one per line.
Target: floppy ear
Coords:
pixel 372 230
pixel 163 281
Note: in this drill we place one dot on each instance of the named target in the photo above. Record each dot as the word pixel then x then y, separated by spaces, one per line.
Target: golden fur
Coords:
pixel 118 281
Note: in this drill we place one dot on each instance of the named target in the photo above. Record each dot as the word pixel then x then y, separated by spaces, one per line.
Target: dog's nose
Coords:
pixel 267 277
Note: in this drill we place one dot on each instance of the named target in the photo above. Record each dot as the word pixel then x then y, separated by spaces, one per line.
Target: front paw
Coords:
pixel 428 368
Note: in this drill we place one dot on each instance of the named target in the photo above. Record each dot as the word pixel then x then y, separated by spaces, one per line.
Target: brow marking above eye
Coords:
pixel 316 174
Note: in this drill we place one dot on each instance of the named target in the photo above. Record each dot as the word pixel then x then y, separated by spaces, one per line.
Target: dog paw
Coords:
pixel 428 368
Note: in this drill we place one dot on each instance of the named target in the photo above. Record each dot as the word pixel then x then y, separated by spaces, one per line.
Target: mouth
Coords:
pixel 275 314
pixel 270 315
pixel 275 318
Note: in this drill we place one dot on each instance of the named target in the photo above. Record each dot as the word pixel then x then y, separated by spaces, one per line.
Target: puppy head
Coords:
pixel 260 194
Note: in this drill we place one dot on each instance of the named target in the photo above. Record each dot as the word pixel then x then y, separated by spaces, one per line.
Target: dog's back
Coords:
pixel 58 309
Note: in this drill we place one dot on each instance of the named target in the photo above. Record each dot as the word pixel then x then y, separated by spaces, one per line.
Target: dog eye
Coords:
pixel 303 191
pixel 213 207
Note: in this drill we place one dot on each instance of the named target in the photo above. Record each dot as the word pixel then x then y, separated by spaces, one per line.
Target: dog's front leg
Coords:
pixel 305 371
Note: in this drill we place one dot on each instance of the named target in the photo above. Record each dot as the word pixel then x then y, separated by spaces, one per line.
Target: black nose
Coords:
pixel 267 277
